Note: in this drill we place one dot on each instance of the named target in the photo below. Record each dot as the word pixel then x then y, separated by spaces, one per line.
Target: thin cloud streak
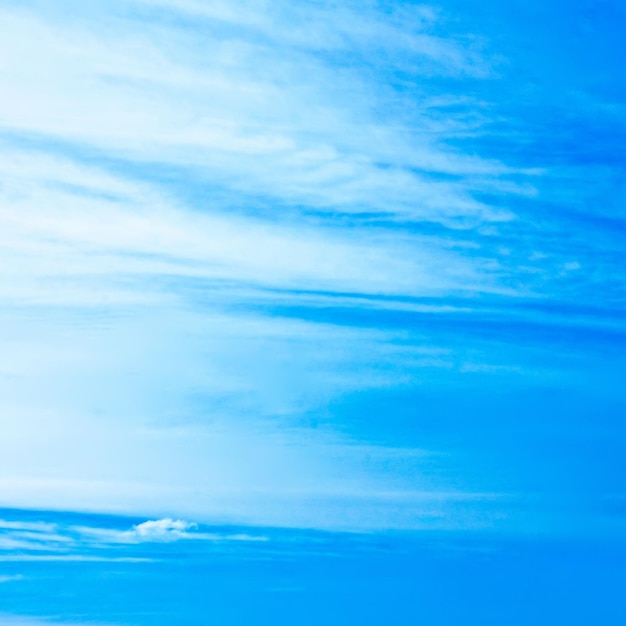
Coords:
pixel 207 107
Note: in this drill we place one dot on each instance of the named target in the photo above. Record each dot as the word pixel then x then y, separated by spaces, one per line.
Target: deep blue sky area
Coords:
pixel 313 577
pixel 312 312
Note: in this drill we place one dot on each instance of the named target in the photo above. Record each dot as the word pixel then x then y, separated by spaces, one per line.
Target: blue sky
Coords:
pixel 85 569
pixel 326 266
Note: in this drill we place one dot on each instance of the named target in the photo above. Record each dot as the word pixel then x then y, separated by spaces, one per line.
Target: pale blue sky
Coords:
pixel 323 265
pixel 230 230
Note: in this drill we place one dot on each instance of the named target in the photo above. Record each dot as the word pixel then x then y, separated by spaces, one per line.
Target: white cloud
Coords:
pixel 284 136
pixel 69 558
pixel 32 536
pixel 77 543
pixel 246 149
pixel 400 33
pixel 301 131
pixel 41 527
pixel 61 221
pixel 161 530
pixel 164 529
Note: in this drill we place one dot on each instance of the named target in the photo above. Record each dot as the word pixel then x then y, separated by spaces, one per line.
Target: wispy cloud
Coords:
pixel 258 133
pixel 161 530
pixel 223 222
pixel 248 115
pixel 68 558
pixel 69 542
pixel 83 223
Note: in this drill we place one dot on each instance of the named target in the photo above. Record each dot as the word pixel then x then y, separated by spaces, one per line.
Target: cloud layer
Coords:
pixel 299 264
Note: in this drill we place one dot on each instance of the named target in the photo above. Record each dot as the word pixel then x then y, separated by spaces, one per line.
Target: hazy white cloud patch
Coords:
pixel 161 530
pixel 10 579
pixel 256 108
pixel 269 155
pixel 42 527
pixel 67 228
pixel 70 558
pixel 31 536
pixel 90 543
pixel 164 528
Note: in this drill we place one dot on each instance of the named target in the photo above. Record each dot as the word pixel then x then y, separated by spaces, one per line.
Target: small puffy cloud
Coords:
pixel 163 529
pixel 168 529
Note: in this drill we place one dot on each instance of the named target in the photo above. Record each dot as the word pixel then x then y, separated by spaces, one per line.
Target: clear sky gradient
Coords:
pixel 317 267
